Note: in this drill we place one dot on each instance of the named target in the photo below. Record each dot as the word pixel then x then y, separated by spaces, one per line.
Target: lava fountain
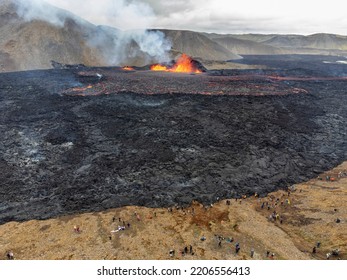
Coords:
pixel 184 64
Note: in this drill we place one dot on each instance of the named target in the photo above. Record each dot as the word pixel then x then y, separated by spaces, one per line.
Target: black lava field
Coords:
pixel 62 154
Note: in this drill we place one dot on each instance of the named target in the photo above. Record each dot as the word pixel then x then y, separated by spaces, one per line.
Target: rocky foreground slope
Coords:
pixel 307 216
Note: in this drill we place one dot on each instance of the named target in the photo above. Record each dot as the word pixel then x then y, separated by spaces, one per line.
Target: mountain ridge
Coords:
pixel 33 44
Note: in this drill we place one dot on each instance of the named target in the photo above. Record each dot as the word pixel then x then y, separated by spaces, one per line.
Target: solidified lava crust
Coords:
pixel 62 154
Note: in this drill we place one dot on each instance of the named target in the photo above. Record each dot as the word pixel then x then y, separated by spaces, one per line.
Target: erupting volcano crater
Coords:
pixel 184 64
pixel 89 139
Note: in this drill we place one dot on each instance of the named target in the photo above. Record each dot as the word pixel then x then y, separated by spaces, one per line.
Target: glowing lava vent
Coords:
pixel 184 64
pixel 128 68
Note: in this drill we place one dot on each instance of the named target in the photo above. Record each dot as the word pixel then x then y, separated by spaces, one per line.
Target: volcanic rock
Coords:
pixel 65 154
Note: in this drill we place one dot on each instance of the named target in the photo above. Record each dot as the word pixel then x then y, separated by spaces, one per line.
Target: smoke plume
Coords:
pixel 123 22
pixel 40 10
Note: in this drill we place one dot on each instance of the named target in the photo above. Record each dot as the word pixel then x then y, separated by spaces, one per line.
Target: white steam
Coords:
pixel 131 18
pixel 40 10
pixel 151 42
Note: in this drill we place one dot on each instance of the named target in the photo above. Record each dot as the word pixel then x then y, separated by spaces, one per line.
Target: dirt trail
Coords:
pixel 308 214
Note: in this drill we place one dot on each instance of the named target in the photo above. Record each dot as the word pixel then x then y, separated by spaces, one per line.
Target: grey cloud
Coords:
pixel 165 8
pixel 224 16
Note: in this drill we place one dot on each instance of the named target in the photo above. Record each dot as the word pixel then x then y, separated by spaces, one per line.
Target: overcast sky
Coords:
pixel 221 16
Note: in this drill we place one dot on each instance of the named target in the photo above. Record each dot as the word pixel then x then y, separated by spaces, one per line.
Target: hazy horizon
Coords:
pixel 220 16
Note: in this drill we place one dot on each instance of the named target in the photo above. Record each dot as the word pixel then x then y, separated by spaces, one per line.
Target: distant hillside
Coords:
pixel 198 45
pixel 250 37
pixel 323 42
pixel 33 44
pixel 246 47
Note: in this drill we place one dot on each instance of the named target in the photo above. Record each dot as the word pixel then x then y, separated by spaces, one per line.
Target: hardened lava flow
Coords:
pixel 88 139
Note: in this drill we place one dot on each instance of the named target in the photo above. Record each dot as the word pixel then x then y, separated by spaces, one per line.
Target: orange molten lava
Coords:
pixel 82 88
pixel 158 67
pixel 128 68
pixel 184 64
